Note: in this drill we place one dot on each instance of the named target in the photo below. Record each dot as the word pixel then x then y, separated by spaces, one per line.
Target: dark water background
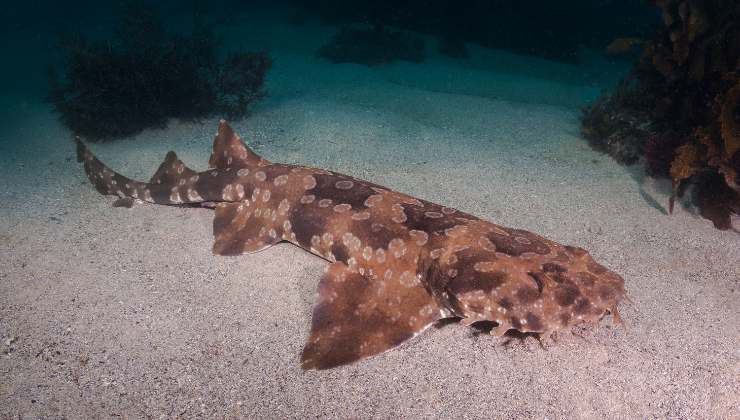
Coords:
pixel 559 31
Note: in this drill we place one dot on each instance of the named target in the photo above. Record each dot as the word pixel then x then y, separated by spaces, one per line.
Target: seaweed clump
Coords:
pixel 144 77
pixel 617 124
pixel 372 45
pixel 452 47
pixel 549 29
pixel 684 95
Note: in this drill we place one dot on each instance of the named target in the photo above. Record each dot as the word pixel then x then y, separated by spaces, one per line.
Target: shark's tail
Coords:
pixel 174 183
pixel 109 182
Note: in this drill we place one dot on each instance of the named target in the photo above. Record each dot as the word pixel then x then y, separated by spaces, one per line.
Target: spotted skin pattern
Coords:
pixel 398 264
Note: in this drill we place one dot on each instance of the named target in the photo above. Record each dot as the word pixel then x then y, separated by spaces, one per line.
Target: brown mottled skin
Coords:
pixel 398 264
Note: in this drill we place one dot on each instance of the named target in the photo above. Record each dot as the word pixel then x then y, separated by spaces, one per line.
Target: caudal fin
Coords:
pixel 174 183
pixel 164 187
pixel 106 181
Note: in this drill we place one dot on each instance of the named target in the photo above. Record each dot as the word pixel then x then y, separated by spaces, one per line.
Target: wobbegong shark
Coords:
pixel 398 264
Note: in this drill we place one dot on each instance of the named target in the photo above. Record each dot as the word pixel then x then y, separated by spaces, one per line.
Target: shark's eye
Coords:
pixel 551 267
pixel 537 280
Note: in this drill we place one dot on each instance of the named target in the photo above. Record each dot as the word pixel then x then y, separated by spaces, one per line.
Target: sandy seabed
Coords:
pixel 108 312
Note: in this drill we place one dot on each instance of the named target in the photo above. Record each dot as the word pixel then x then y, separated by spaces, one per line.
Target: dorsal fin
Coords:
pixel 171 171
pixel 229 151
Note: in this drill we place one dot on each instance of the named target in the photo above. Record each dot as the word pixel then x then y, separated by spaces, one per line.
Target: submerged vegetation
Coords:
pixel 145 76
pixel 550 29
pixel 372 46
pixel 679 110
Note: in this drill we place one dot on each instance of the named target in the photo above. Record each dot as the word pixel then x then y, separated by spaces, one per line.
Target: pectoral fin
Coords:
pixel 239 229
pixel 357 317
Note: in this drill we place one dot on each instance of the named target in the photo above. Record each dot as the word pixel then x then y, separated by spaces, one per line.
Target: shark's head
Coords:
pixel 522 281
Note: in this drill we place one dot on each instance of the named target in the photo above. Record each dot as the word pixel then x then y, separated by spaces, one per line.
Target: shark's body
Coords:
pixel 398 264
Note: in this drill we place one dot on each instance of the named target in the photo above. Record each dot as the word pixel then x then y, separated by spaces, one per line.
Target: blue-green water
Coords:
pixel 108 312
